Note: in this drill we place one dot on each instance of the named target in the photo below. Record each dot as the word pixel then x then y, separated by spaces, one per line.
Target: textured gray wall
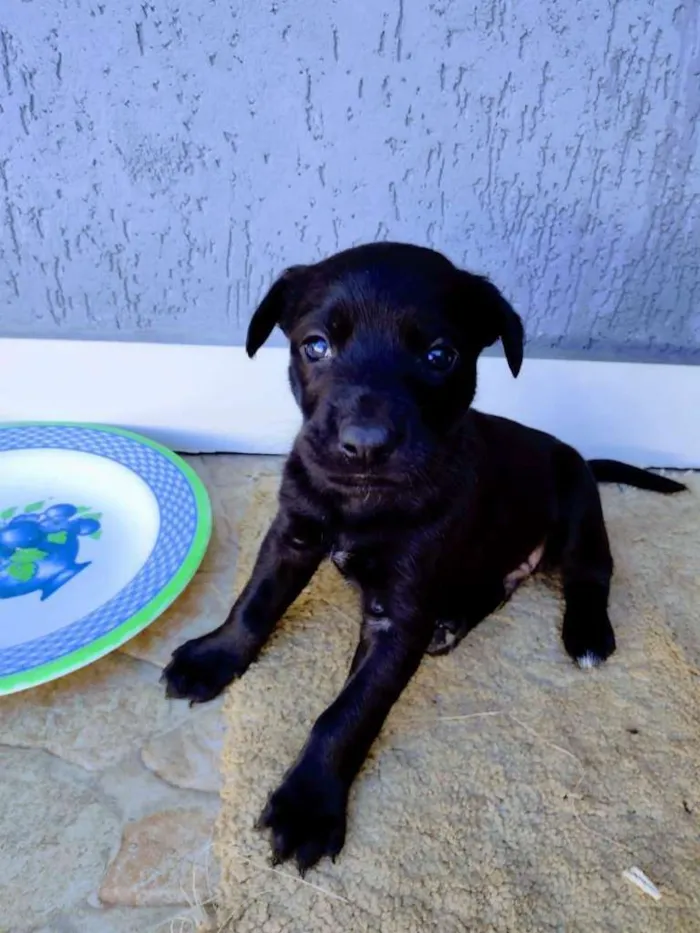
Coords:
pixel 159 161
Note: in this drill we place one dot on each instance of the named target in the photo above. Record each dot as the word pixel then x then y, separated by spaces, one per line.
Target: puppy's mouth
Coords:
pixel 362 480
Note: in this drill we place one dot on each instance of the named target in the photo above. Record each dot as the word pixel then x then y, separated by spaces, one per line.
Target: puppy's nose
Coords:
pixel 369 442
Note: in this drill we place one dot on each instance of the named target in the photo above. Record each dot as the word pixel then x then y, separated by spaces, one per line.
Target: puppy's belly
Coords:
pixel 513 580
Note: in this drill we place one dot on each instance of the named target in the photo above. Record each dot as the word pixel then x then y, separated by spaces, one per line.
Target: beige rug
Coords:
pixel 509 791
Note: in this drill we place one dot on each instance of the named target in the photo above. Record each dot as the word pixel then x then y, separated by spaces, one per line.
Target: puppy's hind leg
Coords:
pixel 586 563
pixel 481 601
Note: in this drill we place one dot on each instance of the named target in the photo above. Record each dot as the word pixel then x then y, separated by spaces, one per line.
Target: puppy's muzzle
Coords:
pixel 367 443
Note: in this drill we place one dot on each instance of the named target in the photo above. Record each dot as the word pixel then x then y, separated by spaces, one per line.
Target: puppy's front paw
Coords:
pixel 307 817
pixel 588 638
pixel 200 669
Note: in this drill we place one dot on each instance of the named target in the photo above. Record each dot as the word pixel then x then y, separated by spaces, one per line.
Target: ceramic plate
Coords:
pixel 100 530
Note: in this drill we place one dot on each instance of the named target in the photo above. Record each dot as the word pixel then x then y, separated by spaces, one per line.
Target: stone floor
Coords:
pixel 109 791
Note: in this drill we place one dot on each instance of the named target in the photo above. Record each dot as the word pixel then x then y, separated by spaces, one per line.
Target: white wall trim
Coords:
pixel 204 398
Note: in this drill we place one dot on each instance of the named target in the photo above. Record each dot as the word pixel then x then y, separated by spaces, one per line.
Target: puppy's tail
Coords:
pixel 613 471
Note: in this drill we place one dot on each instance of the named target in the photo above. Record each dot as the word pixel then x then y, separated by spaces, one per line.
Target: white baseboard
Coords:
pixel 205 399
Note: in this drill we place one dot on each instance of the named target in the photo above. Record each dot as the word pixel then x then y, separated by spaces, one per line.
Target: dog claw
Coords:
pixel 200 670
pixel 306 816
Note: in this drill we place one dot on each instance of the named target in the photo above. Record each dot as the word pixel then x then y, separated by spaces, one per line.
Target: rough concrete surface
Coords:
pixel 509 790
pixel 108 791
pixel 160 161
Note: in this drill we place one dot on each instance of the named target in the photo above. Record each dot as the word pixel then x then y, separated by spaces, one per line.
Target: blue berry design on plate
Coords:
pixel 39 547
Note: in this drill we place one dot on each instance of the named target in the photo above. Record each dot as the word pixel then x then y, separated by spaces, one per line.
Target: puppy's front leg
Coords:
pixel 307 813
pixel 290 553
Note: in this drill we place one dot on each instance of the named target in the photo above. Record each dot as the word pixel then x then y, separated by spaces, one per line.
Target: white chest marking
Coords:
pixel 340 558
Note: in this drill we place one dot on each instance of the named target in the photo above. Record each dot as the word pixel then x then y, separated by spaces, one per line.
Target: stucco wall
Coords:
pixel 159 161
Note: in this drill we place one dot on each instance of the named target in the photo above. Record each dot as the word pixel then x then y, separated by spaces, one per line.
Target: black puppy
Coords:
pixel 435 510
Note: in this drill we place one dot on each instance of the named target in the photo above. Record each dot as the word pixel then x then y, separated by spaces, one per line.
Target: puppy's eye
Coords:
pixel 316 348
pixel 441 357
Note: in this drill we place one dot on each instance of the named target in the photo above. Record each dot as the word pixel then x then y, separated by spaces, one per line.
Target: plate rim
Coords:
pixel 155 607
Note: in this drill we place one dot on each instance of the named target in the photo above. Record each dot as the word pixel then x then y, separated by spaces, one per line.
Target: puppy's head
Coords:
pixel 384 346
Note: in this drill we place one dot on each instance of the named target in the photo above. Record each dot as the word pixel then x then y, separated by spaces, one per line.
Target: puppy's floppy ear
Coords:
pixel 276 309
pixel 497 319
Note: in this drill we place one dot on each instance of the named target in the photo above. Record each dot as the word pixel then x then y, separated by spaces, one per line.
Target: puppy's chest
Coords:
pixel 369 565
pixel 364 563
